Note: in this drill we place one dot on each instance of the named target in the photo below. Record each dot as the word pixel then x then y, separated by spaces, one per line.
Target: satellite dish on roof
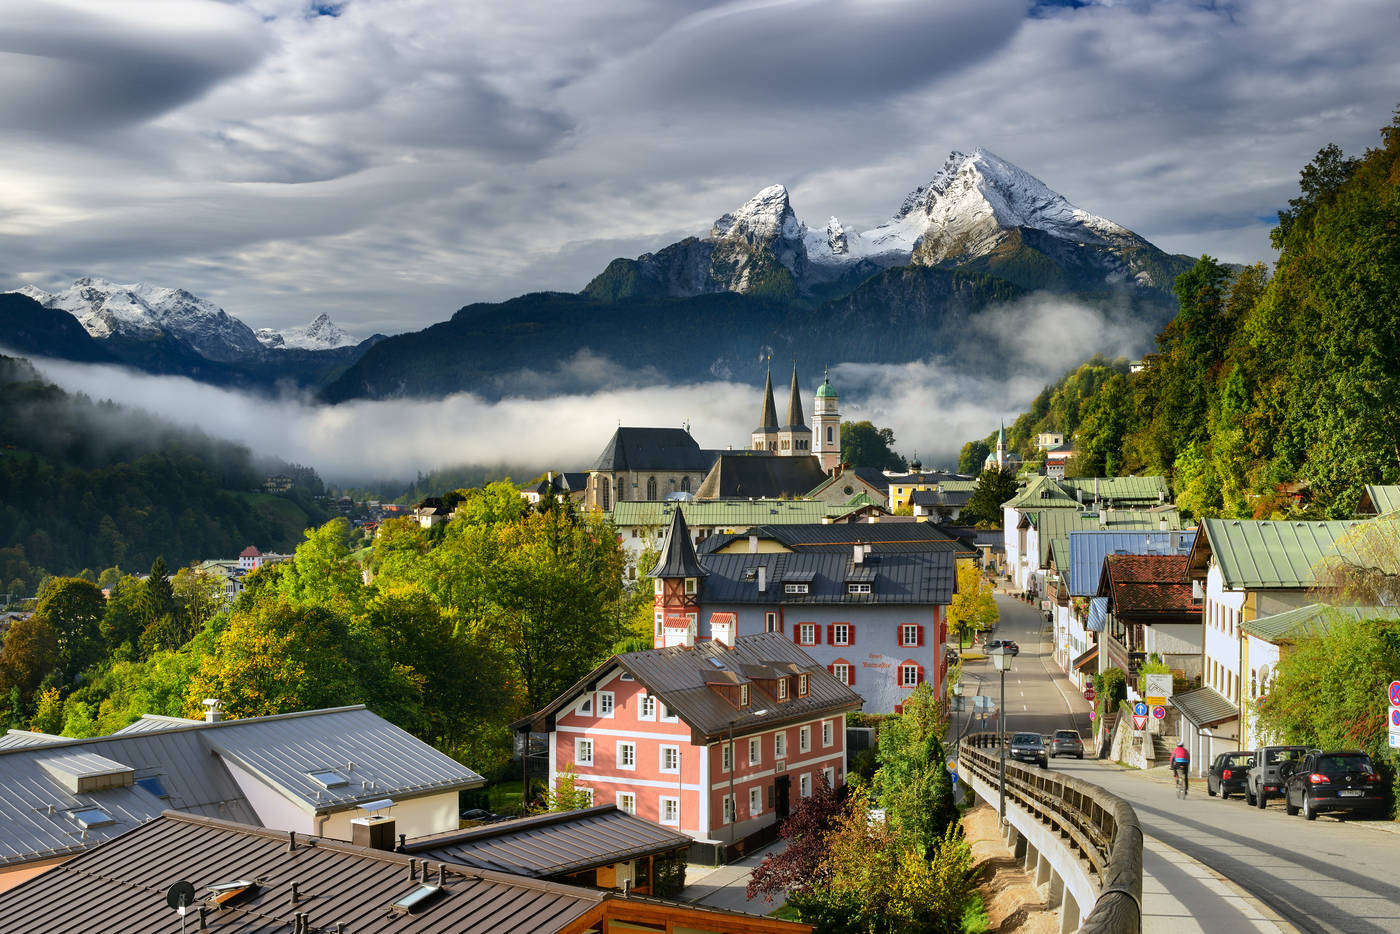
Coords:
pixel 180 896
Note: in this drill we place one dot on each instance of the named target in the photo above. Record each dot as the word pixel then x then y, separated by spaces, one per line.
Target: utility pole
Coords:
pixel 1001 657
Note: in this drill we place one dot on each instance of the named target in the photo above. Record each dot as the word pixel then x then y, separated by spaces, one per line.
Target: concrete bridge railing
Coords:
pixel 1082 841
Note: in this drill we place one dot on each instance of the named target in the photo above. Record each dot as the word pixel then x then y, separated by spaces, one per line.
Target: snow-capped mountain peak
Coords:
pixel 321 334
pixel 765 216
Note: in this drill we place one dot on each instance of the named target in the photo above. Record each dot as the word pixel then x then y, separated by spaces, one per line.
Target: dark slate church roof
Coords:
pixel 652 449
pixel 918 579
pixel 841 537
pixel 739 475
pixel 677 552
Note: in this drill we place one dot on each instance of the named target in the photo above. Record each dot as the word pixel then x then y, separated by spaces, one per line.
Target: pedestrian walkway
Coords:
pixel 724 886
pixel 1171 881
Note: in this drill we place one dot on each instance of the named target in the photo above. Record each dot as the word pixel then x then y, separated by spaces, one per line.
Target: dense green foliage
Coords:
pixel 88 484
pixel 972 456
pixel 983 507
pixel 1329 690
pixel 1264 380
pixel 864 445
pixel 449 633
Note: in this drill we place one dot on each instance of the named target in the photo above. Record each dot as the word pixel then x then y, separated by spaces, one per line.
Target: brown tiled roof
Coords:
pixel 1148 585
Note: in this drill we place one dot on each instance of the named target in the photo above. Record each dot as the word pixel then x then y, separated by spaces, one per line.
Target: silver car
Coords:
pixel 1066 743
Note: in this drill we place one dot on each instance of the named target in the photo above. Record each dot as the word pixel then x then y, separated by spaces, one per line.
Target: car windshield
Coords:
pixel 1337 765
pixel 1237 761
pixel 1275 756
pixel 1066 734
pixel 1032 738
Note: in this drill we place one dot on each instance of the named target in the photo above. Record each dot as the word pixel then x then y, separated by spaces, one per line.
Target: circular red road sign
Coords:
pixel 1395 693
pixel 1395 718
pixel 1159 712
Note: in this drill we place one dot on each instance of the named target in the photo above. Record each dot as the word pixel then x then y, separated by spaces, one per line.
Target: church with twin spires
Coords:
pixel 793 438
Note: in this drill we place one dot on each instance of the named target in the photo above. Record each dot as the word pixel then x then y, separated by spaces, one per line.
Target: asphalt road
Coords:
pixel 1324 876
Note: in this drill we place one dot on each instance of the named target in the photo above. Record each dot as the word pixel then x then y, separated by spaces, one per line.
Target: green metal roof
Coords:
pixel 1313 619
pixel 957 486
pixel 1042 493
pixel 1383 499
pixel 1119 488
pixel 1262 553
pixel 728 513
pixel 1055 524
pixel 861 500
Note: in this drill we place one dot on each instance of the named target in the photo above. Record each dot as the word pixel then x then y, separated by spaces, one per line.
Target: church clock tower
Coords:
pixel 826 427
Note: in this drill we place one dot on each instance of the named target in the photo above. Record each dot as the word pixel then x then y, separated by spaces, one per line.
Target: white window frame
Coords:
pixel 804 739
pixel 743 695
pixel 646 706
pixel 755 802
pixel 770 622
pixel 607 703
pixel 828 733
pixel 840 633
pixel 690 586
pixel 621 796
pixel 664 714
pixel 804 683
pixel 855 587
pixel 661 759
pixel 755 750
pixel 726 810
pixel 661 805
pixel 587 791
pixel 797 588
pixel 782 689
pixel 632 748
pixel 804 785
pixel 908 675
pixel 579 758
pixel 829 773
pixel 657 582
pixel 841 671
pixel 807 633
pixel 585 706
pixel 780 744
pixel 658 622
pixel 905 631
pixel 725 757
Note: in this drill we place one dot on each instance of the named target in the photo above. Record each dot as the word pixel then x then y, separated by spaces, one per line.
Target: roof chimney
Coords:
pixel 858 557
pixel 762 578
pixel 375 832
pixel 213 710
pixel 753 544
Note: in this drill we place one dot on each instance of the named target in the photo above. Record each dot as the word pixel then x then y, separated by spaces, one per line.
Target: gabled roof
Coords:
pixel 882 537
pixel 192 764
pixel 1203 707
pixel 920 579
pixel 1310 620
pixel 1265 554
pixel 733 513
pixel 1149 586
pixel 677 552
pixel 552 844
pixel 150 723
pixel 1042 493
pixel 1087 549
pixel 941 497
pixel 16 738
pixel 1119 489
pixel 652 449
pixel 1377 500
pixel 739 475
pixel 681 677
pixel 860 479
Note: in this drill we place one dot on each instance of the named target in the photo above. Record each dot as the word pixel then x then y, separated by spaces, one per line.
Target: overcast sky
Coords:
pixel 388 161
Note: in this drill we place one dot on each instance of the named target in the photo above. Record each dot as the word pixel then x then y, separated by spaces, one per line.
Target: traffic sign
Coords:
pixel 1395 693
pixel 1395 740
pixel 1395 718
pixel 1159 712
pixel 1158 686
pixel 1139 722
pixel 1091 716
pixel 1139 709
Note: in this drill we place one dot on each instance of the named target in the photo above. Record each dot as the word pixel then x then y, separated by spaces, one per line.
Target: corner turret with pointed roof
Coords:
pixel 794 412
pixel 678 558
pixel 794 438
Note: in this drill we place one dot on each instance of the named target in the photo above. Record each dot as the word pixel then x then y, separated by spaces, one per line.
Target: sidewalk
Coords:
pixel 723 886
pixel 1170 879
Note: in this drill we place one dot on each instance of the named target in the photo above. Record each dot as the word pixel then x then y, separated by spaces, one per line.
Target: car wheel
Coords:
pixel 1249 797
pixel 1288 805
pixel 1308 811
pixel 1262 799
pixel 1210 789
pixel 1081 757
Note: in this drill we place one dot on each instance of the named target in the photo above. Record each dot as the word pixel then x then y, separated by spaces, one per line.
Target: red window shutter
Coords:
pixel 831 668
pixel 797 634
pixel 918 674
pixel 898 709
pixel 850 675
pixel 921 636
pixel 850 633
pixel 831 633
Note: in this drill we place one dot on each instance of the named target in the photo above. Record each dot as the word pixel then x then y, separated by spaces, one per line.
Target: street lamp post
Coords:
pixel 957 707
pixel 1002 659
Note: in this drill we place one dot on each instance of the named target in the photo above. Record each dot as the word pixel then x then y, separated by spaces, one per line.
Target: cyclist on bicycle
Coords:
pixel 1181 764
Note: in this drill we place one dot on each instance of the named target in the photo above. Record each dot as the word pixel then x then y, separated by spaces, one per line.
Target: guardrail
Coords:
pixel 1101 827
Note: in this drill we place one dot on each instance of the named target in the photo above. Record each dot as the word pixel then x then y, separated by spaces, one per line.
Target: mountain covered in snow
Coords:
pixel 147 312
pixel 977 212
pixel 320 334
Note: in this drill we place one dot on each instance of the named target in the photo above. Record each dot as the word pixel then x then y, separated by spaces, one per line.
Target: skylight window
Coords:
pixel 226 893
pixel 153 786
pixel 328 778
pixel 89 818
pixel 417 900
pixel 716 662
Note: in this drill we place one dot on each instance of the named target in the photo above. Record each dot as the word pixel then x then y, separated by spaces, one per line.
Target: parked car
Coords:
pixel 1011 647
pixel 1265 779
pixel 1066 743
pixel 1030 747
pixel 1345 780
pixel 1229 774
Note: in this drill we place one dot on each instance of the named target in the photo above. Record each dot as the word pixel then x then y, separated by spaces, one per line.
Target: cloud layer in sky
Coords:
pixel 388 161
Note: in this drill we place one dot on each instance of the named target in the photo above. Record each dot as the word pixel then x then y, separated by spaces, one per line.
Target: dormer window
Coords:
pixel 857 588
pixel 743 695
pixel 802 685
pixel 782 689
pixel 690 584
pixel 796 588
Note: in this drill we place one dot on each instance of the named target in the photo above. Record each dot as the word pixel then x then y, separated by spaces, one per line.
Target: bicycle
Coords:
pixel 1180 781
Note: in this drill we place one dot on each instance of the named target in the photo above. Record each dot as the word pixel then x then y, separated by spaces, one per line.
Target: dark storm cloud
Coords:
pixel 73 69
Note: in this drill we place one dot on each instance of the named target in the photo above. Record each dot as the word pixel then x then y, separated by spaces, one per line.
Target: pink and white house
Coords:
pixel 716 739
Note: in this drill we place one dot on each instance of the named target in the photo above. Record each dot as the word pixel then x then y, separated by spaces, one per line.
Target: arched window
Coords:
pixel 685 484
pixel 651 488
pixel 601 485
pixel 620 487
pixel 828 434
